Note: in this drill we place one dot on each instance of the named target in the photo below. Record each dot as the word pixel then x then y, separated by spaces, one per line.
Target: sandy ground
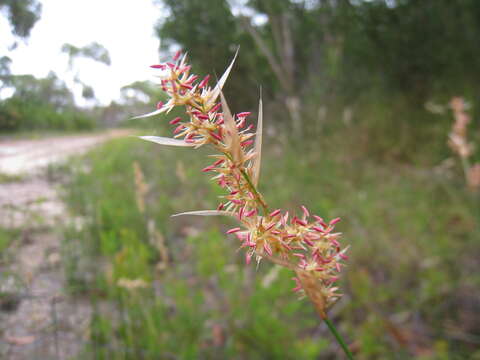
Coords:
pixel 38 320
pixel 27 156
pixel 33 193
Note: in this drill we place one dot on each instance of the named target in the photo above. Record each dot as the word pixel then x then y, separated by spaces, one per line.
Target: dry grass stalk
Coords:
pixel 141 187
pixel 155 237
pixel 132 284
pixel 458 142
pixel 180 172
pixel 158 240
pixel 473 177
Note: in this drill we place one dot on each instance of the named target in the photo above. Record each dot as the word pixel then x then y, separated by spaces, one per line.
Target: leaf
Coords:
pixel 153 113
pixel 258 145
pixel 205 213
pixel 218 88
pixel 232 138
pixel 166 141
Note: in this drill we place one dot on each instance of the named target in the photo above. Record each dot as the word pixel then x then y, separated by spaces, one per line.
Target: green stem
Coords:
pixel 466 167
pixel 339 338
pixel 255 192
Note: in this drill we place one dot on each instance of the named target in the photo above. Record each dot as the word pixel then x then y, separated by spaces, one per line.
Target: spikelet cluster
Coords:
pixel 305 243
pixel 458 142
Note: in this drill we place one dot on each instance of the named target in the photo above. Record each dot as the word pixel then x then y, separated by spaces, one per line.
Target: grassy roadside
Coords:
pixel 410 285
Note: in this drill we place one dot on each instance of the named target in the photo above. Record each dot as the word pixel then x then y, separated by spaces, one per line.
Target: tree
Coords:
pixel 5 73
pixel 41 104
pixel 21 14
pixel 280 53
pixel 93 51
pixel 278 41
pixel 417 47
pixel 50 90
pixel 210 33
pixel 341 51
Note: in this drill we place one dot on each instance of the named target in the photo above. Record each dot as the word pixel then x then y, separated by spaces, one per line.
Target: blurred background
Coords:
pixel 371 114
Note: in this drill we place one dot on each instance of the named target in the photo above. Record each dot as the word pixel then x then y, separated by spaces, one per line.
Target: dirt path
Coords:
pixel 38 320
pixel 18 157
pixel 25 161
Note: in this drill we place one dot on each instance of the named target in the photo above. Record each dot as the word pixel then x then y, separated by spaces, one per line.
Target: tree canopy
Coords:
pixel 21 14
pixel 419 48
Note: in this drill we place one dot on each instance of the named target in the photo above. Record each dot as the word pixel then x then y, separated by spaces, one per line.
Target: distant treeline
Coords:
pixel 41 104
pixel 375 63
pixel 419 48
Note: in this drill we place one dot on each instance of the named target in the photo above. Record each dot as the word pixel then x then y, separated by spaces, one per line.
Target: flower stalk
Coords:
pixel 339 338
pixel 304 243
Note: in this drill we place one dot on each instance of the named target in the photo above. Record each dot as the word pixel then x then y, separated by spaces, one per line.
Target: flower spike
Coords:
pixel 304 243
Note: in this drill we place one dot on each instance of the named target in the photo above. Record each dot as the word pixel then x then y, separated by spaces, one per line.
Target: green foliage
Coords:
pixel 5 240
pixel 9 178
pixel 370 56
pixel 94 51
pixel 368 153
pixel 22 15
pixel 39 104
pixel 425 47
pixel 184 317
pixel 49 90
pixel 5 62
pixel 411 268
pixel 210 34
pixel 21 114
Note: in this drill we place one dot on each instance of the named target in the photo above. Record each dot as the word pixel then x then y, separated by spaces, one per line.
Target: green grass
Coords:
pixel 9 178
pixel 411 281
pixel 6 239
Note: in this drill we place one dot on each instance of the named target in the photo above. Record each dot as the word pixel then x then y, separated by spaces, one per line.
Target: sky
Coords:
pixel 124 27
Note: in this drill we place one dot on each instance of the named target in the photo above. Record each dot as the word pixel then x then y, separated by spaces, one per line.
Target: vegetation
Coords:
pixel 22 15
pixel 39 104
pixel 409 284
pixel 357 98
pixel 368 127
pixel 306 244
pixel 323 57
